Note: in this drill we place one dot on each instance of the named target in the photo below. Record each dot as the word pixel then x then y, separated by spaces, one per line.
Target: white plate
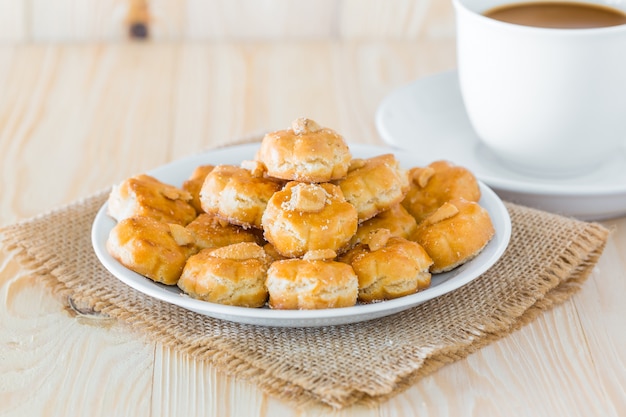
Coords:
pixel 176 172
pixel 429 118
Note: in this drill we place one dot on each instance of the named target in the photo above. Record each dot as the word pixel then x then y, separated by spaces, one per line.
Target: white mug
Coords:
pixel 550 102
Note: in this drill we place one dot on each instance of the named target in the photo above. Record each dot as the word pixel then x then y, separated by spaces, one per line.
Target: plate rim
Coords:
pixel 296 318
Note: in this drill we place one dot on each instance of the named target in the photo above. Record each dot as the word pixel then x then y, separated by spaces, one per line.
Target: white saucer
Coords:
pixel 428 117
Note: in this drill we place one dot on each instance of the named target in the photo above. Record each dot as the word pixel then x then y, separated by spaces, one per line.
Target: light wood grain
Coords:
pixel 603 320
pixel 98 366
pixel 199 20
pixel 77 118
pixel 250 19
pixel 64 101
pixel 75 20
pixel 13 21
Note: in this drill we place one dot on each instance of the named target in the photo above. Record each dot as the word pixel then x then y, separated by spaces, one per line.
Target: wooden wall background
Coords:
pixel 210 20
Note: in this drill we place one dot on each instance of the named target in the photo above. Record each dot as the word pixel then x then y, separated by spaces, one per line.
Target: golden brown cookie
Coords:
pixel 273 253
pixel 211 231
pixel 151 248
pixel 144 195
pixel 389 267
pixel 439 182
pixel 374 185
pixel 304 217
pixel 313 282
pixel 232 275
pixel 237 194
pixel 454 234
pixel 396 219
pixel 193 185
pixel 306 152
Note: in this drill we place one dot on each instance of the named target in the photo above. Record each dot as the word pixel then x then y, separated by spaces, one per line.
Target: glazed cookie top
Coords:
pixel 304 217
pixel 307 152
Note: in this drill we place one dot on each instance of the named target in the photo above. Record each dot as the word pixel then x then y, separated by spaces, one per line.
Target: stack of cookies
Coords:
pixel 302 226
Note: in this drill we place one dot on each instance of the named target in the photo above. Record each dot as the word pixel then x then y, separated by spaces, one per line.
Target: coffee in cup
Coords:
pixel 558 15
pixel 544 83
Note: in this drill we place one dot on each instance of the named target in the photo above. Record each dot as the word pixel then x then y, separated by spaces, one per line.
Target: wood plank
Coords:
pixel 77 20
pixel 52 363
pixel 259 20
pixel 13 21
pixel 62 101
pixel 185 387
pixel 600 308
pixel 121 109
pixel 96 20
pixel 375 19
pixel 26 77
pixel 65 100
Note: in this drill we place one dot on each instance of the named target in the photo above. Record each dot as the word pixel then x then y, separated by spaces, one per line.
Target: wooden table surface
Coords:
pixel 76 118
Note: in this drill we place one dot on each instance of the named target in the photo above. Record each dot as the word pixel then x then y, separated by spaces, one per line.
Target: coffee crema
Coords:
pixel 558 15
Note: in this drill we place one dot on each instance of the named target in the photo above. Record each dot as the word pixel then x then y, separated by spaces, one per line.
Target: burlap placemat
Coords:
pixel 548 258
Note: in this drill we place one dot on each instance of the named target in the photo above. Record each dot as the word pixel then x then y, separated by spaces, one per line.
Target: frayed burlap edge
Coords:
pixel 559 281
pixel 563 280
